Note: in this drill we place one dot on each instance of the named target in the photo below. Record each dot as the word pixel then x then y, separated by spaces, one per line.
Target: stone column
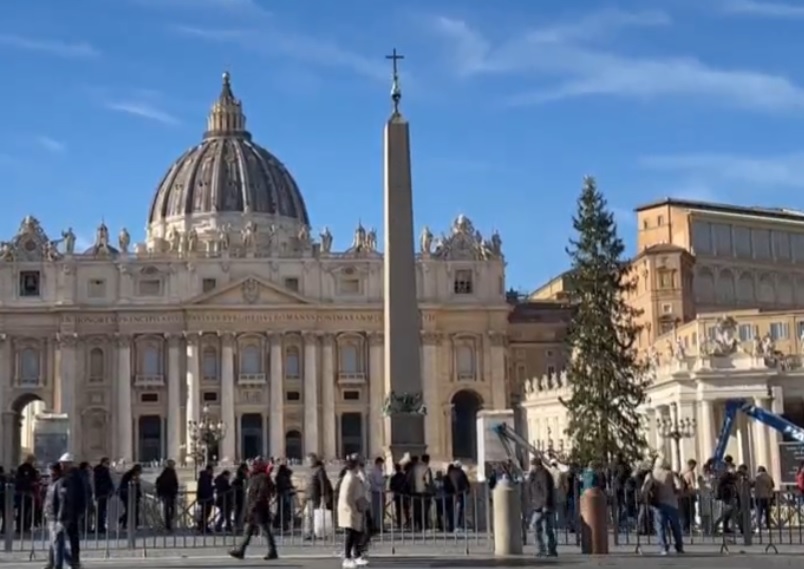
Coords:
pixel 311 393
pixel 228 444
pixel 659 441
pixel 192 380
pixel 175 402
pixel 432 425
pixel 8 440
pixel 760 450
pixel 277 405
pixel 777 407
pixel 706 435
pixel 376 421
pixel 67 387
pixel 125 437
pixel 499 388
pixel 328 380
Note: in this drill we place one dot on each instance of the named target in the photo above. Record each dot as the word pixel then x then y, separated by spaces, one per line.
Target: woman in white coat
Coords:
pixel 352 506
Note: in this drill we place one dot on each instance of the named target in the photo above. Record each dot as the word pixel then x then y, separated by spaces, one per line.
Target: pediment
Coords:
pixel 249 291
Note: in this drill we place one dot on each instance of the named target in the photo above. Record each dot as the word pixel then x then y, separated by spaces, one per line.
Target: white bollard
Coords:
pixel 507 517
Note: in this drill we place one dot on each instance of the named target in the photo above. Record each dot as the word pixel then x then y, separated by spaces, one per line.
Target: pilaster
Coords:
pixel 125 436
pixel 328 418
pixel 376 441
pixel 175 403
pixel 499 389
pixel 66 385
pixel 311 414
pixel 276 417
pixel 229 443
pixel 432 426
pixel 192 380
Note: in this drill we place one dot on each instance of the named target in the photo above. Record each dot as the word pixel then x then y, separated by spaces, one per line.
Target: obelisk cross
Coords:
pixel 396 92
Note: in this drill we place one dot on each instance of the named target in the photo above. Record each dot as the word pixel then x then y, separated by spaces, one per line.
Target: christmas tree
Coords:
pixel 606 373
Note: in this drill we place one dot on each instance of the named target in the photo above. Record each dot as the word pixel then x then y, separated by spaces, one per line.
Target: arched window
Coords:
pixel 209 363
pixel 292 362
pixel 250 360
pixel 465 356
pixel 29 366
pixel 349 359
pixel 96 364
pixel 151 361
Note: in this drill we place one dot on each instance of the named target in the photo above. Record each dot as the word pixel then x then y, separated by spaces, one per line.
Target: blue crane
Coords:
pixel 772 420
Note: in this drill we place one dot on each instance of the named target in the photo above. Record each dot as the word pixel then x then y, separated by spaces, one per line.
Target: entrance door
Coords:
pixel 250 436
pixel 351 434
pixel 150 438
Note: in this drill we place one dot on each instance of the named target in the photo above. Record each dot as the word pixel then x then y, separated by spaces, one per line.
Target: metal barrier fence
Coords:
pixel 459 524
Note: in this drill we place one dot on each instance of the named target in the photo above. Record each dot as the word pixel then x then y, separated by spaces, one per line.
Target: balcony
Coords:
pixel 351 377
pixel 149 380
pixel 466 375
pixel 251 379
pixel 29 382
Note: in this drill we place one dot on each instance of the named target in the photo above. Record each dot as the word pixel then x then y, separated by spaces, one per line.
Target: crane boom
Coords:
pixel 772 420
pixel 510 438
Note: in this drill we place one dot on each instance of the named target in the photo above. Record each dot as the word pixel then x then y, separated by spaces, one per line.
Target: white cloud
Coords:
pixel 248 8
pixel 313 50
pixel 566 59
pixel 50 47
pixel 782 171
pixel 144 110
pixel 763 9
pixel 50 144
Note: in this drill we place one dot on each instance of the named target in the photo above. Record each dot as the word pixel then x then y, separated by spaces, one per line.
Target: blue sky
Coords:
pixel 511 103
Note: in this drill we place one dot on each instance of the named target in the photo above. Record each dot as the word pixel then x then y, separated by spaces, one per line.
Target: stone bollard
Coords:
pixel 594 522
pixel 507 517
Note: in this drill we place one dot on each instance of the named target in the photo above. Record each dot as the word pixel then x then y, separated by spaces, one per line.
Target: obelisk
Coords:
pixel 404 424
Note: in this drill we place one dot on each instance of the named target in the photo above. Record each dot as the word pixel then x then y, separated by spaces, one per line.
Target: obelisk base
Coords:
pixel 404 435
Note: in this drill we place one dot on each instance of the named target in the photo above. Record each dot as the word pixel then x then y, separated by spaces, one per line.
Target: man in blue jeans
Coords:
pixel 540 495
pixel 661 489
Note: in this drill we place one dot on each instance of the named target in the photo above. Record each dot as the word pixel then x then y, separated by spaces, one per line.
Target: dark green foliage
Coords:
pixel 606 373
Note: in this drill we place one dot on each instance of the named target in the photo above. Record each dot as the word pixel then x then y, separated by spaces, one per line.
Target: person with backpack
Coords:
pixel 726 494
pixel 661 488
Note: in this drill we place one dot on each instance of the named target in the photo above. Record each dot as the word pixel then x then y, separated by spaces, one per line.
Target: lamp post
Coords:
pixel 676 430
pixel 203 434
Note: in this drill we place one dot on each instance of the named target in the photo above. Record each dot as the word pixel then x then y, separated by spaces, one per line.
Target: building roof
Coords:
pixel 769 212
pixel 545 312
pixel 227 172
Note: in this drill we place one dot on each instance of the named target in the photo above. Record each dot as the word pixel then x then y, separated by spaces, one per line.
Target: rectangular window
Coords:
pixel 210 397
pixel 747 332
pixel 702 237
pixel 96 288
pixel 293 396
pixel 761 243
pixel 800 330
pixel 350 286
pixel 292 283
pixel 742 241
pixel 208 285
pixel 781 245
pixel 149 287
pixel 351 396
pixel 463 282
pixel 779 330
pixel 29 284
pixel 149 398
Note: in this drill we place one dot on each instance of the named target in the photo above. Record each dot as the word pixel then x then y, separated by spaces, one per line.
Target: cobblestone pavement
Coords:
pixel 697 557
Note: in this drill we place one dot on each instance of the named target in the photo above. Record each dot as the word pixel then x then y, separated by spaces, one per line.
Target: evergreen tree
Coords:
pixel 607 376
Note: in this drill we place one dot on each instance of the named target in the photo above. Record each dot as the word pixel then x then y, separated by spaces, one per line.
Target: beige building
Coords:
pixel 233 309
pixel 706 274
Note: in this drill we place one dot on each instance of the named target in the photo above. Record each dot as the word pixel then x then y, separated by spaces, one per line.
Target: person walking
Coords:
pixel 57 550
pixel 258 512
pixel 541 501
pixel 661 489
pixel 352 507
pixel 167 490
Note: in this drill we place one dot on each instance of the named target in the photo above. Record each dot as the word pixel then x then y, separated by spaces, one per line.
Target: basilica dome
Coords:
pixel 227 174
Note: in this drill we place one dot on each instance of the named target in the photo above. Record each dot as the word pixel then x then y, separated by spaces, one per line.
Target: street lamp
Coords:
pixel 676 430
pixel 204 434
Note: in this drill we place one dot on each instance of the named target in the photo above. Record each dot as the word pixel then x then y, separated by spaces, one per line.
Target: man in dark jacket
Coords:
pixel 319 493
pixel 167 490
pixel 26 480
pixel 205 496
pixel 73 496
pixel 104 488
pixel 130 493
pixel 540 495
pixel 52 509
pixel 258 512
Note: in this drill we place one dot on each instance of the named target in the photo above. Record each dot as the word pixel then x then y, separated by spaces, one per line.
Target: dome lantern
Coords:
pixel 226 117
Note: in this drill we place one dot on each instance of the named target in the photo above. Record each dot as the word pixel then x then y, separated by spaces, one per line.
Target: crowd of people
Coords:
pixel 651 498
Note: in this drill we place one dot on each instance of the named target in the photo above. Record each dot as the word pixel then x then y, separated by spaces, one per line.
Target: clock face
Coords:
pixel 29 245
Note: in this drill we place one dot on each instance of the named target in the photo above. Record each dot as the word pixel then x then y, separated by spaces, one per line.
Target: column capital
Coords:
pixel 311 336
pixel 67 340
pixel 227 338
pixel 430 338
pixel 497 339
pixel 173 340
pixel 376 338
pixel 328 339
pixel 124 340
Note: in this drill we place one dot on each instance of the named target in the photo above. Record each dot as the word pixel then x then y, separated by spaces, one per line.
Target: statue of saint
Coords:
pixel 371 240
pixel 123 240
pixel 102 239
pixel 192 239
pixel 426 241
pixel 326 241
pixel 69 240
